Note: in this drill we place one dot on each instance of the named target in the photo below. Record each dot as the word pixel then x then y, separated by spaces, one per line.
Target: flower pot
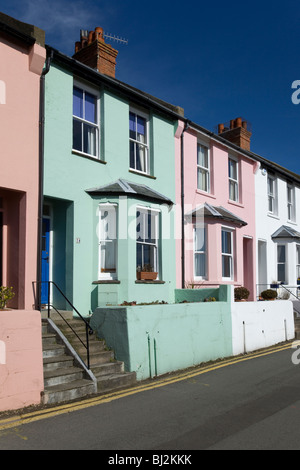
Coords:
pixel 146 276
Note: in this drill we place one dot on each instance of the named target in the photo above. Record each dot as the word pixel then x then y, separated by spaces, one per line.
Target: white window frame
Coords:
pixel 228 255
pixel 272 195
pixel 110 237
pixel 291 202
pixel 297 261
pixel 137 143
pixel 200 252
pixel 203 170
pixel 96 126
pixel 233 182
pixel 144 212
pixel 282 262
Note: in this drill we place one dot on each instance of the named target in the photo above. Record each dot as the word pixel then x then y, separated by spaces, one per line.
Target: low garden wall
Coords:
pixel 257 325
pixel 21 359
pixel 157 339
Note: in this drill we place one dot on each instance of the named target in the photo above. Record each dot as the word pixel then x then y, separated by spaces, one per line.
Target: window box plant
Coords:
pixel 269 294
pixel 146 273
pixel 241 293
pixel 274 285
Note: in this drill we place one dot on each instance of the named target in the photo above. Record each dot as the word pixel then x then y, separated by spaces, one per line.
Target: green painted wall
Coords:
pixel 68 175
pixel 157 339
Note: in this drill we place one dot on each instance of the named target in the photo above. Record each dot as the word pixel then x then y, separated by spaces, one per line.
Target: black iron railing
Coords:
pixel 88 329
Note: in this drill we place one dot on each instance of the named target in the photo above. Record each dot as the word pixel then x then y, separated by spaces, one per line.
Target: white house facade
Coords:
pixel 277 195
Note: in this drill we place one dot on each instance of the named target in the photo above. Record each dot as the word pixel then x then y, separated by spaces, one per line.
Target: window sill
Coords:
pixel 88 157
pixel 204 193
pixel 150 282
pixel 235 203
pixel 140 173
pixel 107 281
pixel 273 216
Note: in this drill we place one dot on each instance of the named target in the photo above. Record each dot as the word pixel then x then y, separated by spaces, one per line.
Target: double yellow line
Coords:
pixel 18 420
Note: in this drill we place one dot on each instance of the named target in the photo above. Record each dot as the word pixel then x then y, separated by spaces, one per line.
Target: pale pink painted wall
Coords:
pixel 21 361
pixel 218 197
pixel 19 117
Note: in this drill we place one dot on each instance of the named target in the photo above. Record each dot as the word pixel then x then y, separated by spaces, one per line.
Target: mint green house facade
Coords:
pixel 109 189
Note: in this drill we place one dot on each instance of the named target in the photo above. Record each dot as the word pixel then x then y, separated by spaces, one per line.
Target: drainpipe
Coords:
pixel 186 126
pixel 41 179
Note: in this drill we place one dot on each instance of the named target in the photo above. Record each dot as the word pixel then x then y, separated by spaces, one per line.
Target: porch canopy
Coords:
pixel 217 212
pixel 286 232
pixel 122 187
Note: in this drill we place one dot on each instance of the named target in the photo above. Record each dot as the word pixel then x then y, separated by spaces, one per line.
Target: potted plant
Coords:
pixel 269 294
pixel 6 294
pixel 241 294
pixel 146 273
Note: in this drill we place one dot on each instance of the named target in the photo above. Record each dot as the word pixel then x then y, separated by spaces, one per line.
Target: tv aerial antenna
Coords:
pixel 115 38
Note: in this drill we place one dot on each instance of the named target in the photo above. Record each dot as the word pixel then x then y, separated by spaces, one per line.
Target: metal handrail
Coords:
pixel 88 329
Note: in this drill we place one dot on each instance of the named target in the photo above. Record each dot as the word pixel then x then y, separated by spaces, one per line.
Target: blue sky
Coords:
pixel 218 60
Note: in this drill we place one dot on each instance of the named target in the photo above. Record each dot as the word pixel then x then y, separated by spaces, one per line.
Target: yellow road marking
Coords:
pixel 18 420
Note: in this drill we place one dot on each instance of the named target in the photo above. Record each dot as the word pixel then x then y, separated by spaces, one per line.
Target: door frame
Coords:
pixel 49 217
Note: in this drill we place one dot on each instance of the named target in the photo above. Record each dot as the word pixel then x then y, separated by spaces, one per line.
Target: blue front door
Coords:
pixel 45 260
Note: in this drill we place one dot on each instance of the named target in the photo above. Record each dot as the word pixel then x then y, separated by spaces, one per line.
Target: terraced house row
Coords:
pixel 110 181
pixel 111 197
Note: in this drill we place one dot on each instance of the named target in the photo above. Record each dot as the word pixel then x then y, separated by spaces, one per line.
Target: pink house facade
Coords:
pixel 215 187
pixel 22 55
pixel 24 59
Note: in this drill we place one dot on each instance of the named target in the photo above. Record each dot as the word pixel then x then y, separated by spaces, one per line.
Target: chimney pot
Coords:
pixel 238 122
pixel 220 128
pixel 94 52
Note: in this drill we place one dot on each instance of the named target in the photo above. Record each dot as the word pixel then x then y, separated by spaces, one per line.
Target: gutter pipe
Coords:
pixel 41 179
pixel 186 126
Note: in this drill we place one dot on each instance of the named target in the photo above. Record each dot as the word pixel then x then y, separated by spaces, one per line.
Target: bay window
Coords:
pixel 281 263
pixel 147 230
pixel 200 252
pixel 107 241
pixel 227 254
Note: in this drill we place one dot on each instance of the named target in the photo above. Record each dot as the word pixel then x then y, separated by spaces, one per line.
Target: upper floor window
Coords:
pixel 85 122
pixel 138 143
pixel 272 196
pixel 200 252
pixel 203 168
pixel 233 179
pixel 291 202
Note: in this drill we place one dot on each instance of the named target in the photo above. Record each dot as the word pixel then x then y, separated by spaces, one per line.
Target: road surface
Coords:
pixel 249 402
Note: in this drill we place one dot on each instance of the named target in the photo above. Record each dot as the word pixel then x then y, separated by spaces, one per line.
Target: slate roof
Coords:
pixel 122 187
pixel 218 212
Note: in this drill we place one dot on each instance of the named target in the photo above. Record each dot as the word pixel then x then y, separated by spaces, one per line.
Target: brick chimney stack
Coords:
pixel 91 50
pixel 236 132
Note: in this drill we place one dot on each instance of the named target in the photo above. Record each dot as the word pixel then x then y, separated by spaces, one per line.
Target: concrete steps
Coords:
pixel 63 380
pixel 109 373
pixel 64 376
